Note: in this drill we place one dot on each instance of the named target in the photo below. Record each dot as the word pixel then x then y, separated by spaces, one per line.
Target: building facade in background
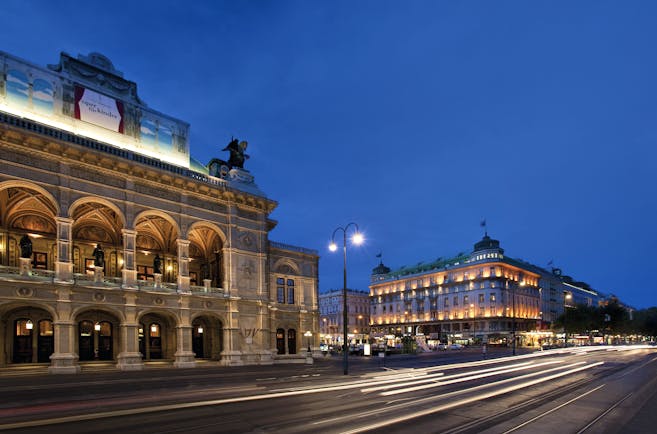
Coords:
pixel 479 297
pixel 116 245
pixel 331 317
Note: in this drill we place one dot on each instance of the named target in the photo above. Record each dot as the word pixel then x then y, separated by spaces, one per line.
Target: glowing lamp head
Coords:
pixel 357 238
pixel 29 324
pixel 333 247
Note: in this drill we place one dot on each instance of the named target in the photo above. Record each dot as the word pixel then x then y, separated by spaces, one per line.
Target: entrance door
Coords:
pixel 155 341
pixel 280 341
pixel 292 341
pixel 86 340
pixel 45 341
pixel 197 340
pixel 105 341
pixel 22 341
pixel 142 342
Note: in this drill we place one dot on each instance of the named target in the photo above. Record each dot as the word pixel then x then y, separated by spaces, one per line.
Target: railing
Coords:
pixel 89 280
pixel 65 136
pixel 282 246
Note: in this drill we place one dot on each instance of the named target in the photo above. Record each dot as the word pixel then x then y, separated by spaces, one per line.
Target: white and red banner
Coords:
pixel 98 109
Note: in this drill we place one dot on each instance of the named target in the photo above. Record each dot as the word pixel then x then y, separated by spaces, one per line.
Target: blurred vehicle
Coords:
pixel 455 346
pixel 442 347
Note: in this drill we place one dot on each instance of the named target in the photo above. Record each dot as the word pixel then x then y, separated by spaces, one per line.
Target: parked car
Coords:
pixel 442 347
pixel 455 346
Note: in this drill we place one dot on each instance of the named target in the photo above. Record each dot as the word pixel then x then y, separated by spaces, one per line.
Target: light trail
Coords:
pixel 427 400
pixel 470 378
pixel 444 377
pixel 428 411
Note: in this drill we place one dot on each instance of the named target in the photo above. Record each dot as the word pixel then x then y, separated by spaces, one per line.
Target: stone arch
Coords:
pixel 157 213
pixel 28 209
pixel 17 183
pixel 96 199
pixel 97 333
pixel 206 249
pixel 159 342
pixel 286 266
pixel 6 308
pixel 117 313
pixel 23 343
pixel 209 225
pixel 156 231
pixel 207 335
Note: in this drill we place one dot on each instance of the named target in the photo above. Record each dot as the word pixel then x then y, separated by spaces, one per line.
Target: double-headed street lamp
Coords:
pixel 356 238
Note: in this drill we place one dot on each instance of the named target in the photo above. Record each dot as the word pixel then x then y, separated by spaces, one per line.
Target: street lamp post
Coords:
pixel 308 334
pixel 357 238
pixel 472 332
pixel 513 313
pixel 566 297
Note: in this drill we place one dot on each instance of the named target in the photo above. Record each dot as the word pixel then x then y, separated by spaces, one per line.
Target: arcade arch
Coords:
pixel 206 246
pixel 157 235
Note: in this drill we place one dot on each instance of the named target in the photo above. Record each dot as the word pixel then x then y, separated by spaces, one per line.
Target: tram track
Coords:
pixel 587 385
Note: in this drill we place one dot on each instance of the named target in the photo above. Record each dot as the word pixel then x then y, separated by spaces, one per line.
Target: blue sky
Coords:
pixel 415 119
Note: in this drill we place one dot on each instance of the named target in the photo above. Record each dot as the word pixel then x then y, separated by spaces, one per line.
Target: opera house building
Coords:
pixel 117 247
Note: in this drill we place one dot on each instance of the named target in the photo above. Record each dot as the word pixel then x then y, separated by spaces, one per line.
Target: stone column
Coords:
pixel 129 271
pixel 64 360
pixel 4 248
pixel 263 338
pixel 271 343
pixel 184 356
pixel 183 265
pixel 232 356
pixel 63 265
pixel 130 359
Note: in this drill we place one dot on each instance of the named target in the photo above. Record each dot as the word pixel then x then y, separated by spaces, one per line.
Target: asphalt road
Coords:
pixel 592 390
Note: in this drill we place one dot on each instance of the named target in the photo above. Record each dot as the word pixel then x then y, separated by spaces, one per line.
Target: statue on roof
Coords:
pixel 237 153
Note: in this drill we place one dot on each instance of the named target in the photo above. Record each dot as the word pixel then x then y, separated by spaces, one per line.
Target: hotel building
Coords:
pixel 483 296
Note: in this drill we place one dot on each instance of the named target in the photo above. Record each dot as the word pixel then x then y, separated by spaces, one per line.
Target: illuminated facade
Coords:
pixel 331 316
pixel 135 252
pixel 479 297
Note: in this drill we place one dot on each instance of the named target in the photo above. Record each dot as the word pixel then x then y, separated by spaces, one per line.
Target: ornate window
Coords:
pixel 290 291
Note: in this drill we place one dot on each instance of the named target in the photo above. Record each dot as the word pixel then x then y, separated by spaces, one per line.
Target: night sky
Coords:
pixel 414 119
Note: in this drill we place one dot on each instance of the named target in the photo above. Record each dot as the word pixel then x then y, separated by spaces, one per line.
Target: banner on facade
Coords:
pixel 98 109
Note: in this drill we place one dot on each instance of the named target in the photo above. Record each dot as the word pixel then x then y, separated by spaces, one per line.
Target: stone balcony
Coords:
pixel 39 276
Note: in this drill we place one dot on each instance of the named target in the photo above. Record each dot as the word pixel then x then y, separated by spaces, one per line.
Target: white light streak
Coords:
pixel 428 411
